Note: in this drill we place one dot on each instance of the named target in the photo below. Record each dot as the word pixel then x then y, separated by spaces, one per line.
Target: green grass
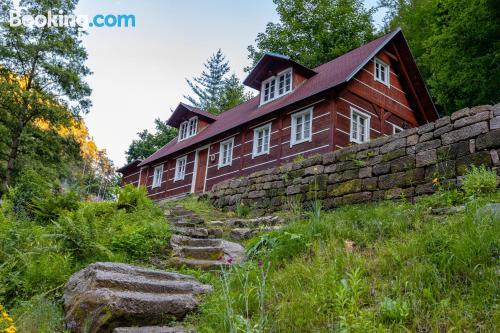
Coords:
pixel 200 206
pixel 410 270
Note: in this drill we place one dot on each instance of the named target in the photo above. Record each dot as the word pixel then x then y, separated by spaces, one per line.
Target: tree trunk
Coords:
pixel 14 148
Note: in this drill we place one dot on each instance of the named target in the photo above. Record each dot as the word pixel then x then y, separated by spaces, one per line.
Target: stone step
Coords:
pixel 113 280
pixel 198 263
pixel 246 233
pixel 195 219
pixel 151 329
pixel 178 240
pixel 136 271
pixel 103 296
pixel 191 232
pixel 249 223
pixel 205 253
pixel 184 224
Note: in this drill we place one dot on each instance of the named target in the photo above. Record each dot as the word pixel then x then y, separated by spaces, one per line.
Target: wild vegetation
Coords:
pixel 46 239
pixel 385 267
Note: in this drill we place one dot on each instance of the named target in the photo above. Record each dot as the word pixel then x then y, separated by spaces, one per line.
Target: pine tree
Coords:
pixel 208 87
pixel 233 93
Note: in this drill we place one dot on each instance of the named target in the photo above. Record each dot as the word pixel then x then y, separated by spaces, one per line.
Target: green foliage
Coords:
pixel 456 46
pixel 394 310
pixel 213 90
pixel 148 142
pixel 42 75
pixel 313 32
pixel 37 259
pixel 479 180
pixel 409 271
pixel 131 198
pixel 242 210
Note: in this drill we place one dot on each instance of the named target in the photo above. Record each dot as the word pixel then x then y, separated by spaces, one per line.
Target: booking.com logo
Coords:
pixel 60 20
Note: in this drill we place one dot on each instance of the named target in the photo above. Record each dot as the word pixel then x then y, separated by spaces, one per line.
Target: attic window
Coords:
pixel 188 128
pixel 276 86
pixel 381 72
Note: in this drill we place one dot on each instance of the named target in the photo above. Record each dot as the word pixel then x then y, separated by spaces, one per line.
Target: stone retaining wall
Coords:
pixel 406 164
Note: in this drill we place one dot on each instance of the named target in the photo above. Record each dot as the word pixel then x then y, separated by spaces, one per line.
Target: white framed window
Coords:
pixel 396 129
pixel 261 140
pixel 276 86
pixel 381 72
pixel 157 176
pixel 226 152
pixel 188 128
pixel 360 126
pixel 180 168
pixel 301 127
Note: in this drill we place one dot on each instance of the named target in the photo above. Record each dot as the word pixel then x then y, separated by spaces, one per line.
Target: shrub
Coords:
pixel 479 180
pixel 394 310
pixel 131 197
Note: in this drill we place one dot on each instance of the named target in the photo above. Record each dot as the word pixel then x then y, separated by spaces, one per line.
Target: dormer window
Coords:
pixel 188 128
pixel 276 86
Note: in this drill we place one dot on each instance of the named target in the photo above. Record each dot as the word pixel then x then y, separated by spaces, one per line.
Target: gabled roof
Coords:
pixel 272 63
pixel 183 112
pixel 329 75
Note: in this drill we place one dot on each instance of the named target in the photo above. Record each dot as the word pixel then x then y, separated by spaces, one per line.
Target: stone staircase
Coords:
pixel 197 244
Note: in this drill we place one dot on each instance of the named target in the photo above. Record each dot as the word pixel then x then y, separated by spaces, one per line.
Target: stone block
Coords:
pixel 256 194
pixel 477 159
pixel 314 170
pixel 489 140
pixel 381 168
pixel 347 187
pixel 330 168
pixel 426 137
pixel 495 123
pixel 444 169
pixel 471 119
pixel 427 188
pixel 369 184
pixel 403 163
pixel 412 140
pixel 356 198
pixel 394 154
pixel 365 172
pixel 427 157
pixel 393 145
pixel 292 189
pixel 427 145
pixel 465 133
pixel 443 121
pixel 426 128
pixel 414 176
pixel 453 151
pixel 440 131
pixel 391 180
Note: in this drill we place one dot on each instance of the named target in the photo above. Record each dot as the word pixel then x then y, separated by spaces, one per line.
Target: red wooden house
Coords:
pixel 371 91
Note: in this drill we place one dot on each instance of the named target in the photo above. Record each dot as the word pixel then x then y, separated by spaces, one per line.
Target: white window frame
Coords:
pixel 275 80
pixel 295 116
pixel 180 170
pixel 255 140
pixel 397 129
pixel 229 162
pixel 379 62
pixel 367 117
pixel 157 176
pixel 186 127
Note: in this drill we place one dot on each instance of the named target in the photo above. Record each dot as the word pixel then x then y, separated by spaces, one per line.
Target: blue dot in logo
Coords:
pixel 91 24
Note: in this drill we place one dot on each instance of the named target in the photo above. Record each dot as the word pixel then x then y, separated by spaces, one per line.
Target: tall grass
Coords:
pixel 410 270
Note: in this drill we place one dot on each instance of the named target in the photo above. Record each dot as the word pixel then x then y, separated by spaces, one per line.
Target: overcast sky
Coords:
pixel 139 73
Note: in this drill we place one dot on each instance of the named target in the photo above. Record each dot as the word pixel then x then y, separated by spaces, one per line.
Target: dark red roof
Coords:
pixel 183 112
pixel 330 74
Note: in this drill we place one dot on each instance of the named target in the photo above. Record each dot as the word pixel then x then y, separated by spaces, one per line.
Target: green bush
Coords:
pixel 131 197
pixel 479 180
